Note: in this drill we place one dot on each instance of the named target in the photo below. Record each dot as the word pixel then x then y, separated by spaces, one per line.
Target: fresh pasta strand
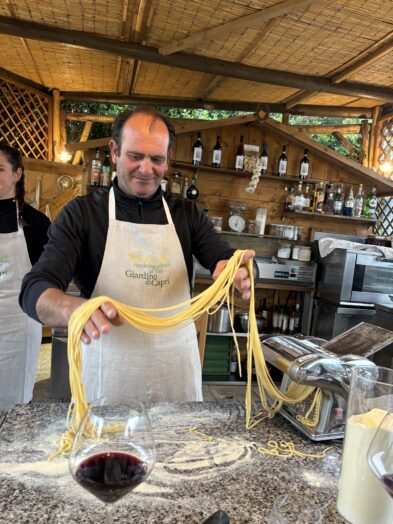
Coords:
pixel 209 301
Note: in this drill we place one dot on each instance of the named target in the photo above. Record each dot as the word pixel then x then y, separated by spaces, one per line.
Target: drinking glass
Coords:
pixel 380 453
pixel 360 497
pixel 113 450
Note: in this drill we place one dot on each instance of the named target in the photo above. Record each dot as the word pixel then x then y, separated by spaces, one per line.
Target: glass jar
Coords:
pixel 284 251
pixel 295 252
pixel 361 497
pixel 217 223
pixel 304 253
pixel 253 227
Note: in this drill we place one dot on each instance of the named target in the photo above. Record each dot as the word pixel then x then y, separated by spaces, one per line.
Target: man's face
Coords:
pixel 143 158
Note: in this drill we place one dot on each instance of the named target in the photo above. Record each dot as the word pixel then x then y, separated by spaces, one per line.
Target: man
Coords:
pixel 134 245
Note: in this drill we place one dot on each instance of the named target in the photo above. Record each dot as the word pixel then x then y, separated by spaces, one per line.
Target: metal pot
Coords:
pixel 219 322
pixel 243 322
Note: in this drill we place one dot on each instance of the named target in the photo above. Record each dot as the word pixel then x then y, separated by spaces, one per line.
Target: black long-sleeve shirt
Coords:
pixel 35 228
pixel 77 240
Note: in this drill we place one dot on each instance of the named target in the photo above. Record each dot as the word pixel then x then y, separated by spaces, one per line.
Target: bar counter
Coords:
pixel 192 477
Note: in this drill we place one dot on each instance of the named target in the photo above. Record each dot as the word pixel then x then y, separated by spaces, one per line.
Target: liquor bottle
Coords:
pixel 216 162
pixel 176 183
pixel 329 204
pixel 192 191
pixel 106 171
pixel 306 198
pixel 239 164
pixel 263 313
pixel 276 314
pixel 283 162
pixel 328 189
pixel 313 200
pixel 338 201
pixel 291 325
pixel 304 166
pixel 197 150
pixel 285 321
pixel 298 200
pixel 318 205
pixel 357 212
pixel 264 159
pixel 164 183
pixel 185 187
pixel 96 169
pixel 289 199
pixel 349 203
pixel 370 204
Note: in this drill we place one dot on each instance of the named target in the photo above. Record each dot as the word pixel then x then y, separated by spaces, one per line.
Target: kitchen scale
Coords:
pixel 272 270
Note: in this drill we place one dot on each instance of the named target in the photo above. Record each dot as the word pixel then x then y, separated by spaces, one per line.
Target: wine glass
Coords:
pixel 380 453
pixel 113 450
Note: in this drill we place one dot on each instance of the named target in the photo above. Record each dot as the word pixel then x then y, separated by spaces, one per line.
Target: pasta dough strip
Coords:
pixel 145 319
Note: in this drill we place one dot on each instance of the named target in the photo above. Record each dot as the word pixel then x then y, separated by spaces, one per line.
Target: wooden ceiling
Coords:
pixel 297 55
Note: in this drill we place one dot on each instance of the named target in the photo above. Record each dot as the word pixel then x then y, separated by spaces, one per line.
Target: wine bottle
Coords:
pixel 370 204
pixel 359 202
pixel 349 203
pixel 216 162
pixel 304 166
pixel 264 159
pixel 338 201
pixel 197 150
pixel 239 164
pixel 283 162
pixel 96 169
pixel 192 191
pixel 106 171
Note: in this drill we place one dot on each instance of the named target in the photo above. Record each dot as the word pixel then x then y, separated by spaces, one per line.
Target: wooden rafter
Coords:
pixel 345 143
pixel 261 35
pixel 309 110
pixel 300 96
pixel 234 25
pixel 17 27
pixel 84 136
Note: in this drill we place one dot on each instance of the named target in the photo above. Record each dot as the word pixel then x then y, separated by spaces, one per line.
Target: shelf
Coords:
pixel 246 174
pixel 227 334
pixel 264 285
pixel 309 214
pixel 268 237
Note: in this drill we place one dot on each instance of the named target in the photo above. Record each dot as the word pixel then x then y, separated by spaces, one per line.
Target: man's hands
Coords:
pixel 242 278
pixel 54 309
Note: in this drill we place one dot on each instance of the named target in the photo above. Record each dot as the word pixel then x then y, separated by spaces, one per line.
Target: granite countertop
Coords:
pixel 192 477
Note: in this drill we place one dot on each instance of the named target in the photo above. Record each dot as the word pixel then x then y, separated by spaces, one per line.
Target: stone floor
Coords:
pixel 42 384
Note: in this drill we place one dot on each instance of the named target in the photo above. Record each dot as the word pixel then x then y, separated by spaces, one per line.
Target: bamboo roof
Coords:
pixel 337 53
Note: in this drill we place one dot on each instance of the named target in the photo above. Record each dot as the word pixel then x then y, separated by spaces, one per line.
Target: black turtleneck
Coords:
pixel 35 226
pixel 77 240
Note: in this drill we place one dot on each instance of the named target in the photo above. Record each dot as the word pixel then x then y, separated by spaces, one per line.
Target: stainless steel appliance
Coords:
pixel 306 361
pixel 273 270
pixel 350 277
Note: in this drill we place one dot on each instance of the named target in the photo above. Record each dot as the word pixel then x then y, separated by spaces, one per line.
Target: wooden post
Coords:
pixel 365 142
pixel 63 131
pixel 374 139
pixel 285 118
pixel 84 136
pixel 56 124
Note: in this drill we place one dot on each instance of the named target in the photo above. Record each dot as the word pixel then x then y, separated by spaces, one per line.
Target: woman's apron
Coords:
pixel 20 336
pixel 143 266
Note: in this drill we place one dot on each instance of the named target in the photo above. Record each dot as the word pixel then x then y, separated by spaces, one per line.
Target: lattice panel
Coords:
pixel 24 116
pixel 385 215
pixel 385 206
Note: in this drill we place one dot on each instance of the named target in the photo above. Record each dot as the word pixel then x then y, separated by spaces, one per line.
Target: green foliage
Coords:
pixel 101 130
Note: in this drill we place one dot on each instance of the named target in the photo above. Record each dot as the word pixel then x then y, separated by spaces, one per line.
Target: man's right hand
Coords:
pixel 54 309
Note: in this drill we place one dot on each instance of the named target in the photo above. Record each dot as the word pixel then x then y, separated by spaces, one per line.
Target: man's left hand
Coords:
pixel 242 278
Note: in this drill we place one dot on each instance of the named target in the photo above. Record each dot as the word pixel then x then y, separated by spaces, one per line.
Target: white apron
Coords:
pixel 143 266
pixel 20 336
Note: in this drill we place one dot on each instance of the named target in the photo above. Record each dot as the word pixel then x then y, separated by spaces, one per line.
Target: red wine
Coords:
pixel 110 475
pixel 387 481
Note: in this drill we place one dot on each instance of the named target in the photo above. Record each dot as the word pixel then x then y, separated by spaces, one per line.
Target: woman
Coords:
pixel 23 234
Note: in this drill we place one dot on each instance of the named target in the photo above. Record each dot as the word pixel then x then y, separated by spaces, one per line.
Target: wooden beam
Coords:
pixel 84 136
pixel 87 117
pixel 234 25
pixel 373 159
pixel 56 124
pixel 348 129
pixel 235 105
pixel 365 58
pixel 183 127
pixel 346 143
pixel 85 40
pixel 365 142
pixel 362 173
pixel 300 96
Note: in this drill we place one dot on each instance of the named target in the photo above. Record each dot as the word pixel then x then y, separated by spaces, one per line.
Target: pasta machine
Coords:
pixel 306 362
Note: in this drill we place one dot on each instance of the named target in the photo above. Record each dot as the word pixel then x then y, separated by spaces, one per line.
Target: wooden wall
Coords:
pixel 218 189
